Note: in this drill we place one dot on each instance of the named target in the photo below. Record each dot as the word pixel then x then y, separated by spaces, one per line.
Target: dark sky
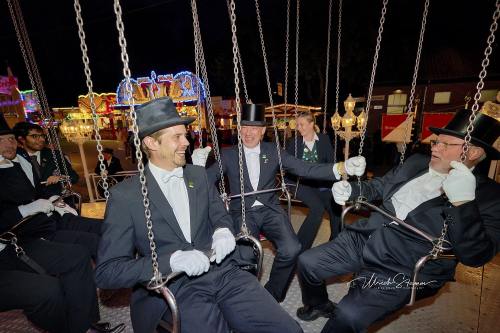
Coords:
pixel 159 35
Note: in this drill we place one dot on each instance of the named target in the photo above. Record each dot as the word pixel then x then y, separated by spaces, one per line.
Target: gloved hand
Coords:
pixel 192 262
pixel 341 192
pixel 200 155
pixel 65 209
pixel 460 184
pixel 35 207
pixel 223 243
pixel 355 166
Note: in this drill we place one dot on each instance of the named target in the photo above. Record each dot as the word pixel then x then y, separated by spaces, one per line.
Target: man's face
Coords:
pixel 447 148
pixel 172 145
pixel 251 135
pixel 34 141
pixel 107 156
pixel 8 146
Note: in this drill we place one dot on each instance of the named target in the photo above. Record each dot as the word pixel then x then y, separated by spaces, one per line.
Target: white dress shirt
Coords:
pixel 174 189
pixel 38 156
pixel 252 157
pixel 310 144
pixel 415 192
pixel 27 167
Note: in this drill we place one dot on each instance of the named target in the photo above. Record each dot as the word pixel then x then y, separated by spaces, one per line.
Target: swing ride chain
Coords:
pixel 25 46
pixel 327 64
pixel 244 228
pixel 339 38
pixel 285 93
pixel 210 112
pixel 247 100
pixel 414 81
pixel 88 74
pixel 197 60
pixel 297 25
pixel 157 278
pixel 480 85
pixel 372 80
pixel 264 56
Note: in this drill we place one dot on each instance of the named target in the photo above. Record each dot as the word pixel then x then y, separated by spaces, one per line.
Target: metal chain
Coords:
pixel 44 107
pixel 197 70
pixel 156 279
pixel 414 81
pixel 268 81
pixel 247 100
pixel 244 228
pixel 297 26
pixel 327 63
pixel 339 38
pixel 25 46
pixel 437 248
pixel 287 46
pixel 335 144
pixel 480 84
pixel 88 81
pixel 211 119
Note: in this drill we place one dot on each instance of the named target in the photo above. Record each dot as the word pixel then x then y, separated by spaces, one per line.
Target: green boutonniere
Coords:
pixel 190 184
pixel 306 150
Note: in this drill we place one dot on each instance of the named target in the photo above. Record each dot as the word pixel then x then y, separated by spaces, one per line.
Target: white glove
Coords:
pixel 355 166
pixel 192 262
pixel 65 209
pixel 341 192
pixel 223 243
pixel 35 207
pixel 200 155
pixel 460 185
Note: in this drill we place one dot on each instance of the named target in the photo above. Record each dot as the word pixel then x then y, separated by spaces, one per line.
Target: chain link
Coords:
pixel 196 40
pixel 414 81
pixel 211 119
pixel 297 30
pixel 327 64
pixel 287 46
pixel 268 81
pixel 157 278
pixel 88 81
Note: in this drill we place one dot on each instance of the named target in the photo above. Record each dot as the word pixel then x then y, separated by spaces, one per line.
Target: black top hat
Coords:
pixel 485 133
pixel 4 127
pixel 253 115
pixel 158 114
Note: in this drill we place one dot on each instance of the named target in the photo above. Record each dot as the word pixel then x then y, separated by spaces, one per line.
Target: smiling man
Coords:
pixel 426 192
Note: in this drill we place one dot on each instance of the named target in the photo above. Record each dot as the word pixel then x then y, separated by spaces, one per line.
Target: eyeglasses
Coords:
pixel 435 143
pixel 38 136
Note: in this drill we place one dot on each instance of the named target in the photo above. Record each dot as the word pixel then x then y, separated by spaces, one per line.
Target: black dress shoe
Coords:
pixel 309 313
pixel 104 327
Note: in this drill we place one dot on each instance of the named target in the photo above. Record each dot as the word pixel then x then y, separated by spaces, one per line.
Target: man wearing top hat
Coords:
pixel 263 211
pixel 112 164
pixel 425 191
pixel 188 221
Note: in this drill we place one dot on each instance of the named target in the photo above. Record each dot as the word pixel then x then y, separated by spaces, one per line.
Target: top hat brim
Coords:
pixel 491 151
pixel 164 124
pixel 6 131
pixel 253 123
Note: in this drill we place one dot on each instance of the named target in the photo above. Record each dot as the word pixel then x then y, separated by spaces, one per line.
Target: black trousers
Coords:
pixel 366 301
pixel 317 201
pixel 229 299
pixel 63 300
pixel 274 224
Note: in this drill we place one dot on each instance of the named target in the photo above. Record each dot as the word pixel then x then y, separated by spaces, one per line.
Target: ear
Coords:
pixel 475 153
pixel 263 130
pixel 151 143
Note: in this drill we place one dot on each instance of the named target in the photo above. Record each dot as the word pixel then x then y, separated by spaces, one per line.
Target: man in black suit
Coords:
pixel 188 219
pixel 112 163
pixel 428 193
pixel 263 211
pixel 32 139
pixel 50 281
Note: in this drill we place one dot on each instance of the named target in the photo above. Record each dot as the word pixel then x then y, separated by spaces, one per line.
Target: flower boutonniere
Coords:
pixel 306 150
pixel 264 157
pixel 190 184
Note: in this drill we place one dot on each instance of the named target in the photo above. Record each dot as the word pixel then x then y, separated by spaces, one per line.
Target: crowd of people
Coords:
pixel 441 194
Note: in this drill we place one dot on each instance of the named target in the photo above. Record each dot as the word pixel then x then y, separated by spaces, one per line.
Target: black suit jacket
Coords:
pixel 124 256
pixel 474 230
pixel 17 190
pixel 269 167
pixel 114 167
pixel 325 155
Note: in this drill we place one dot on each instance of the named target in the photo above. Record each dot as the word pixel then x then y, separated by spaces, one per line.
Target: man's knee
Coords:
pixel 290 250
pixel 346 320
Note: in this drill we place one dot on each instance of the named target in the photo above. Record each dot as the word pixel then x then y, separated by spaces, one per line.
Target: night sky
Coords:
pixel 160 38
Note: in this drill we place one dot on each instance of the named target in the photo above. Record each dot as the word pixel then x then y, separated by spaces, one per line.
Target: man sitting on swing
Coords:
pixel 188 219
pixel 263 211
pixel 426 192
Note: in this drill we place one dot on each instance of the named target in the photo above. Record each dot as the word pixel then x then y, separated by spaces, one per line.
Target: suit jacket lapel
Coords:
pixel 263 160
pixel 246 175
pixel 406 175
pixel 161 203
pixel 193 186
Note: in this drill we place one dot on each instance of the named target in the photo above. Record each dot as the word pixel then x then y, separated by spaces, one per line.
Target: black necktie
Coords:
pixel 36 165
